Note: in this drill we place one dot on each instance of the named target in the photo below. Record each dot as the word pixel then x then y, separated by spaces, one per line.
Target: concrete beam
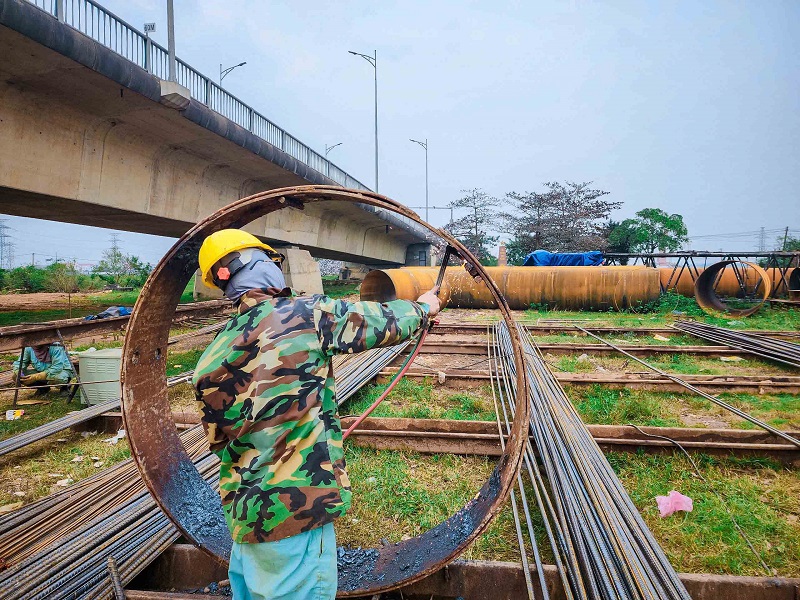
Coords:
pixel 87 140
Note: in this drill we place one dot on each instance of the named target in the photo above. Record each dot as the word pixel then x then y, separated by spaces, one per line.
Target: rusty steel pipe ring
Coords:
pixel 708 299
pixel 192 505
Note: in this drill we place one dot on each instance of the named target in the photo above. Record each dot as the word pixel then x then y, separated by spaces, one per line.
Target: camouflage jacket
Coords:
pixel 266 391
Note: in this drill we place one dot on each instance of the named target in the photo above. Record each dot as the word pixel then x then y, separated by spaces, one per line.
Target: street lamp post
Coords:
pixel 329 148
pixel 171 41
pixel 224 72
pixel 425 146
pixel 373 60
pixel 450 208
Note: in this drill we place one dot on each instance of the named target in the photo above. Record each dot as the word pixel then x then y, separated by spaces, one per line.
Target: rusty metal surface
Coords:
pixel 718 384
pixel 14 337
pixel 706 287
pixel 463 578
pixel 174 481
pixel 434 436
pixel 468 348
pixel 568 288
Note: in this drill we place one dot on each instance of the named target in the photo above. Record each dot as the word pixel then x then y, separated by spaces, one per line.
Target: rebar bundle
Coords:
pixel 354 370
pixel 58 547
pixel 601 545
pixel 77 567
pixel 760 345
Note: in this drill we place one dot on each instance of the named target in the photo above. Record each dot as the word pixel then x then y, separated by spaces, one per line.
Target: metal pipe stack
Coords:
pixel 762 346
pixel 602 547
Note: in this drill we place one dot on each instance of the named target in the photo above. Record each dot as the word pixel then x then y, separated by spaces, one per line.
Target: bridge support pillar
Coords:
pixel 419 255
pixel 351 270
pixel 201 291
pixel 301 270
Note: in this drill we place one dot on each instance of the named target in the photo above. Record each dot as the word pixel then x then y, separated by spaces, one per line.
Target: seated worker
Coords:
pixel 266 390
pixel 50 364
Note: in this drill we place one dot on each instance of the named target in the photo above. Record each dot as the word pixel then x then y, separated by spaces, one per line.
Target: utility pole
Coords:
pixel 785 239
pixel 425 146
pixel 373 60
pixel 6 246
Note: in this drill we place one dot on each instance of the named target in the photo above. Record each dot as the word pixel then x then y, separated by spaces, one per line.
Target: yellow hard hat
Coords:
pixel 221 243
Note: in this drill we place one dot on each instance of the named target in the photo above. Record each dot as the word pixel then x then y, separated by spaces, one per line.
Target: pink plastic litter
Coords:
pixel 674 502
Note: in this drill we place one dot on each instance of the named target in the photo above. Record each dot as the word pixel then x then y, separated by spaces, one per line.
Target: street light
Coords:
pixel 224 72
pixel 373 60
pixel 424 145
pixel 450 208
pixel 329 148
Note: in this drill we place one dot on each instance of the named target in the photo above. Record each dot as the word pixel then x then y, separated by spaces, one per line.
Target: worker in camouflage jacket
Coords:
pixel 266 390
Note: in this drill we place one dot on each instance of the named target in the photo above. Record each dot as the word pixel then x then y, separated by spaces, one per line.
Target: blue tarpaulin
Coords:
pixel 543 258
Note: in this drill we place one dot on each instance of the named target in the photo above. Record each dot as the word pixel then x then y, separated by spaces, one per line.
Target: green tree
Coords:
pixel 62 277
pixel 121 269
pixel 28 278
pixel 473 229
pixel 789 244
pixel 624 237
pixel 661 231
pixel 654 230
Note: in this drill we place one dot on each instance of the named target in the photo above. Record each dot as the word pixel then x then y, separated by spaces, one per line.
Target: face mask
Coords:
pixel 258 272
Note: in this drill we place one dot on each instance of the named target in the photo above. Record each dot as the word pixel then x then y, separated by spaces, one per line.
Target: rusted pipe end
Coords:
pixel 174 481
pixel 706 293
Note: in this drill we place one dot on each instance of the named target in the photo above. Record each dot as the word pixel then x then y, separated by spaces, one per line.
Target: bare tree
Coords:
pixel 473 229
pixel 568 217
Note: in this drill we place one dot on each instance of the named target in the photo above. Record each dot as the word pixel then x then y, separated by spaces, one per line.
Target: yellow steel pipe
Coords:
pixel 567 288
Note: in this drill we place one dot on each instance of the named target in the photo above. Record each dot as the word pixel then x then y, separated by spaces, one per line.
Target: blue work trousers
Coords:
pixel 300 567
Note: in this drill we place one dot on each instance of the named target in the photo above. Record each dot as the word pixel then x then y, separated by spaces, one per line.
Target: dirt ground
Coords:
pixel 46 300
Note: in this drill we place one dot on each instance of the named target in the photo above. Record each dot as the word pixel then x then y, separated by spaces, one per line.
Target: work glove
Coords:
pixel 34 379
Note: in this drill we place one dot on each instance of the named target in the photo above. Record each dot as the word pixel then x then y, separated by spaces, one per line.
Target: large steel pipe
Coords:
pixel 568 288
pixel 173 479
pixel 727 283
pixel 755 279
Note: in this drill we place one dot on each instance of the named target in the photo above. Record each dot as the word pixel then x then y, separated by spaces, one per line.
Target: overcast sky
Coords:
pixel 692 107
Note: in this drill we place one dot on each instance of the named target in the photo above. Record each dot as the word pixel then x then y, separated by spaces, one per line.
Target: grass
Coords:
pixel 32 472
pixel 334 289
pixel 35 415
pixel 423 400
pixel 600 405
pixel 764 498
pixel 603 406
pixel 662 313
pixel 180 362
pixel 399 494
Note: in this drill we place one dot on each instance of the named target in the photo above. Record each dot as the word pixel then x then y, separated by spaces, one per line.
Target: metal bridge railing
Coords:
pixel 104 27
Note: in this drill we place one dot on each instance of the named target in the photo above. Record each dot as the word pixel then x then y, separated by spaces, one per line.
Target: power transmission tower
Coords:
pixel 6 246
pixel 762 241
pixel 115 242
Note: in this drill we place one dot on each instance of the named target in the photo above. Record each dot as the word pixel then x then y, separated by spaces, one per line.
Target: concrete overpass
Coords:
pixel 92 135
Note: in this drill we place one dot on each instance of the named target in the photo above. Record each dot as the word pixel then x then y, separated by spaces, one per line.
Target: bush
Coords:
pixel 30 279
